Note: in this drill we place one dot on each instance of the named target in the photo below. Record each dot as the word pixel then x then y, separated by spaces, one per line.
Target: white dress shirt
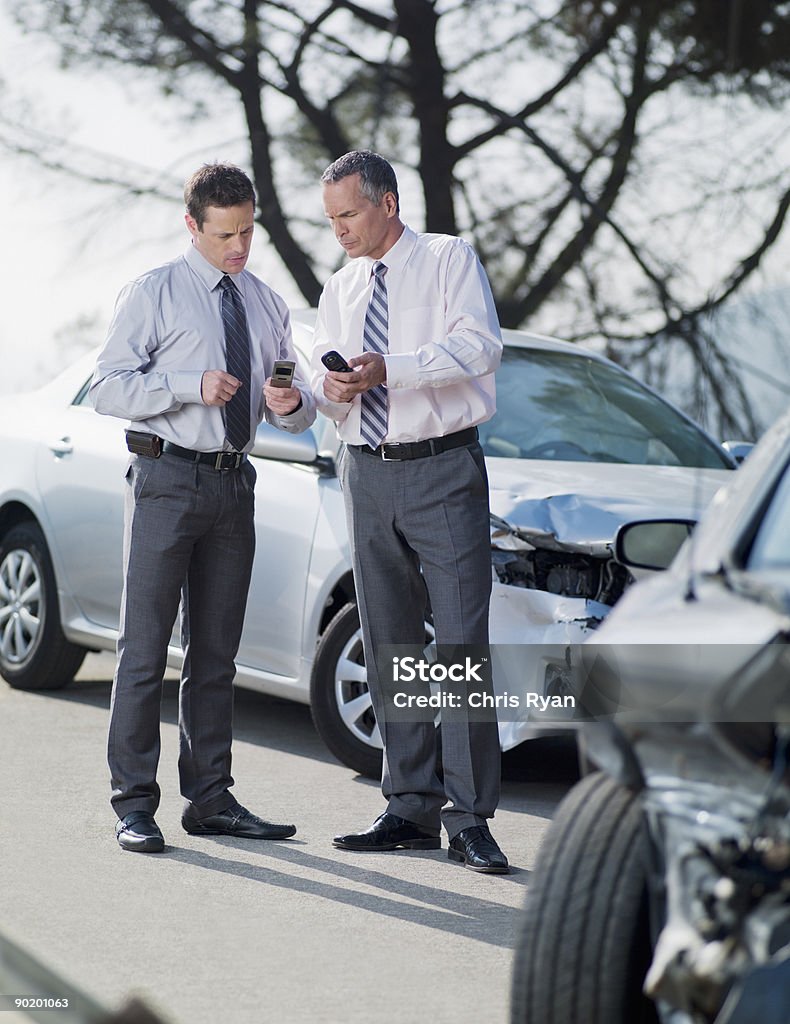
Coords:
pixel 444 337
pixel 167 331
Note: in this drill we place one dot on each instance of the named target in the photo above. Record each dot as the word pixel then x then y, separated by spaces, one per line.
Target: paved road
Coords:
pixel 218 930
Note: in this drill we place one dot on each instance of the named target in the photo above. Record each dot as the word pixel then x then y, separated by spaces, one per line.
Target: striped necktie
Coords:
pixel 237 361
pixel 373 418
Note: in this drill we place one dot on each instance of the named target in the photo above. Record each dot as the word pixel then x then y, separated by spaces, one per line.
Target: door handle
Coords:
pixel 61 447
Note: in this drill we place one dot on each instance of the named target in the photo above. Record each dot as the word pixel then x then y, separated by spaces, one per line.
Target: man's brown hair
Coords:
pixel 219 185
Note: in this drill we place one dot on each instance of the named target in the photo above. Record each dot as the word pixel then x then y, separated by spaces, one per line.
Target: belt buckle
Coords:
pixel 389 458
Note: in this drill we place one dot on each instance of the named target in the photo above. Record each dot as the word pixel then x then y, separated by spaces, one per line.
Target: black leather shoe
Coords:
pixel 388 832
pixel 235 821
pixel 138 831
pixel 476 849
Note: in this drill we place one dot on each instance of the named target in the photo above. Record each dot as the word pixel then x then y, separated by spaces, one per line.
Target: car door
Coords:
pixel 287 506
pixel 80 467
pixel 287 501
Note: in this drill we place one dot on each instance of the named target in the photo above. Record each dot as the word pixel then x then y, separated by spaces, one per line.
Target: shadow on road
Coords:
pixel 286 726
pixel 443 910
pixel 257 718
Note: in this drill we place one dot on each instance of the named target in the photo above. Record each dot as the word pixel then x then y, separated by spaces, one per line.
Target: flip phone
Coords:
pixel 334 361
pixel 283 373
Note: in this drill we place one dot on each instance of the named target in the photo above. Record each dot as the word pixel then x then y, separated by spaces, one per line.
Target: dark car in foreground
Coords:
pixel 662 889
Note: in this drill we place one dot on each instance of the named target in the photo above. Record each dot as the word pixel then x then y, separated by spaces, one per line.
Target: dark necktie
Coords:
pixel 237 359
pixel 375 403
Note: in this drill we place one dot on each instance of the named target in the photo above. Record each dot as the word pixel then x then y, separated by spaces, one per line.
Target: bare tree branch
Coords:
pixel 593 50
pixel 201 44
pixel 561 196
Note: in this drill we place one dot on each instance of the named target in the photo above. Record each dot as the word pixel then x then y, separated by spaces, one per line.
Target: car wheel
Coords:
pixel 34 653
pixel 340 701
pixel 585 945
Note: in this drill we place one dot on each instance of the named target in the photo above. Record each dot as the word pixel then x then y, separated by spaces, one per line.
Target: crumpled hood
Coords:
pixel 580 505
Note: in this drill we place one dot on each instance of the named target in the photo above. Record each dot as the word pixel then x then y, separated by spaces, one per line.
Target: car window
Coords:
pixel 771 546
pixel 560 406
pixel 82 395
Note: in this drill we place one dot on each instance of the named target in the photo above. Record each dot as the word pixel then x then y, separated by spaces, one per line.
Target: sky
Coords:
pixel 68 248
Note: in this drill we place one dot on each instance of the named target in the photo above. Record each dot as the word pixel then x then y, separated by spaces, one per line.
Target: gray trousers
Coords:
pixel 189 537
pixel 415 525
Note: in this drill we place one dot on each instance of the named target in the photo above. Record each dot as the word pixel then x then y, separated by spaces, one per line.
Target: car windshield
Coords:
pixel 771 547
pixel 563 406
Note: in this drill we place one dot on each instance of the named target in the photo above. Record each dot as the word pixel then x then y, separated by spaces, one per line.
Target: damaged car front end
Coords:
pixel 556 575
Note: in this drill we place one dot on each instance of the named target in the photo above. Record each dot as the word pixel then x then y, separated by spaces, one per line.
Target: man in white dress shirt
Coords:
pixel 413 316
pixel 188 360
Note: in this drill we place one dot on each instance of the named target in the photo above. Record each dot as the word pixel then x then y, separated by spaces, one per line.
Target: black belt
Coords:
pixel 219 460
pixel 419 449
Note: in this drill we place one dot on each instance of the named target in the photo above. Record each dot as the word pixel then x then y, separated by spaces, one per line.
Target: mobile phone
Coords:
pixel 334 361
pixel 283 373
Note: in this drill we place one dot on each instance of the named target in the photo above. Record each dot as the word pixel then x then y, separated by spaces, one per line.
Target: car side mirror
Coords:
pixel 271 443
pixel 651 544
pixel 738 449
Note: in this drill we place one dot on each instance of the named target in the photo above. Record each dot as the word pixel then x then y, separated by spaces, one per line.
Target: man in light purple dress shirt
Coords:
pixel 189 531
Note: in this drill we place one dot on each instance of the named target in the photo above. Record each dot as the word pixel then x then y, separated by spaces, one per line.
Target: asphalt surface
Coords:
pixel 222 930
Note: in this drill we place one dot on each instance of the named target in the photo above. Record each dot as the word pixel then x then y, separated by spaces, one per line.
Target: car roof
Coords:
pixel 72 379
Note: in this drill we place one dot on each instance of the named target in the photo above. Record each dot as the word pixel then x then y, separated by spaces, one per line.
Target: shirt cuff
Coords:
pixel 293 412
pixel 337 411
pixel 402 370
pixel 185 385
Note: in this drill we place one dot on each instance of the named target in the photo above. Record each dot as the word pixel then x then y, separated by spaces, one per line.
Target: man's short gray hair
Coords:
pixel 376 176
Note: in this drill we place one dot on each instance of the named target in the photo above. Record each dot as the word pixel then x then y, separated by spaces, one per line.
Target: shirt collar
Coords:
pixel 397 256
pixel 206 272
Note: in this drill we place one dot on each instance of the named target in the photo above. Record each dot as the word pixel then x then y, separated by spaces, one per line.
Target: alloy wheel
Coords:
pixel 354 702
pixel 21 612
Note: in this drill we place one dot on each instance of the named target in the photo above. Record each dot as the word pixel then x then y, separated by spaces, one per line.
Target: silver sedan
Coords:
pixel 577 447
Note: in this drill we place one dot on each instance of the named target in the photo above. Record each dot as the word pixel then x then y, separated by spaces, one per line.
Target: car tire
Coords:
pixel 34 653
pixel 585 945
pixel 339 698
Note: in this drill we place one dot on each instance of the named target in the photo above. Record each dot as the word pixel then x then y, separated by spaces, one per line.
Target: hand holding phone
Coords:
pixel 283 373
pixel 334 361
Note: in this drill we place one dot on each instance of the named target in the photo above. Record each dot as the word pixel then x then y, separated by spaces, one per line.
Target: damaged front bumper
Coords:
pixel 547 596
